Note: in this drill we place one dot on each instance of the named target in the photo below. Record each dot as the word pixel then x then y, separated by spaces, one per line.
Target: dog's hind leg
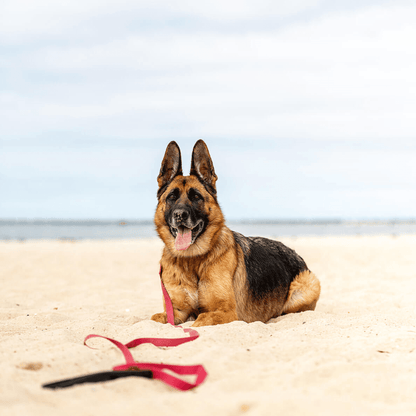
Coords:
pixel 303 294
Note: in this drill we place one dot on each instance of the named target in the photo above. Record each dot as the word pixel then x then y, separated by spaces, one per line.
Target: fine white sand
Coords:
pixel 354 355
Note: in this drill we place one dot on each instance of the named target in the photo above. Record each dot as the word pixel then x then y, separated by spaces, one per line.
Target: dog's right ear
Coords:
pixel 171 167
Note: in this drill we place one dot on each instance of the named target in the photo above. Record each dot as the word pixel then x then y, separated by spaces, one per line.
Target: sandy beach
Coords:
pixel 354 355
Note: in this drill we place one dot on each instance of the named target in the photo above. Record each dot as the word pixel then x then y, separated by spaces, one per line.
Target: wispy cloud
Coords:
pixel 23 20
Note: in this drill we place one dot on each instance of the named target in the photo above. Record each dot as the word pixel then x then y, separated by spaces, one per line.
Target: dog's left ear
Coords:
pixel 170 168
pixel 202 166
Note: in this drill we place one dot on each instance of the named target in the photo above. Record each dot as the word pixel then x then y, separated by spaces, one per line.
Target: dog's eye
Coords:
pixel 194 196
pixel 172 197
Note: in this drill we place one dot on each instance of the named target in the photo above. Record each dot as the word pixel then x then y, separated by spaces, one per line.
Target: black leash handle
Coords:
pixel 97 377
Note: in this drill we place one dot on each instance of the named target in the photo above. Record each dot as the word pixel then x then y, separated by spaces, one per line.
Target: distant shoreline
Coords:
pixel 94 222
pixel 22 230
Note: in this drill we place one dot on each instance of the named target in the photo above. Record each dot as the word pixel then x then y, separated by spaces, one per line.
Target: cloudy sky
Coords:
pixel 308 106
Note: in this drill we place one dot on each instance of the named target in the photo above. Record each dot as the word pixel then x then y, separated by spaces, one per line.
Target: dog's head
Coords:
pixel 187 215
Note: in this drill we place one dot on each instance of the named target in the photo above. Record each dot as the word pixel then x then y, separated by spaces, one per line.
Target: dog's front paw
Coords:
pixel 215 318
pixel 160 317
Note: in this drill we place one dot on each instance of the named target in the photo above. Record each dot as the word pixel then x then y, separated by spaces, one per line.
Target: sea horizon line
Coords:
pixel 131 221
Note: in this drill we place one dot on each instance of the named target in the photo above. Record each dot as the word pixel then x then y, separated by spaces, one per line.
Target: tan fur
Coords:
pixel 303 293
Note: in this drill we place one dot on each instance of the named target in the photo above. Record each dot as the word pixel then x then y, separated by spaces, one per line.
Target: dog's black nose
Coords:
pixel 180 215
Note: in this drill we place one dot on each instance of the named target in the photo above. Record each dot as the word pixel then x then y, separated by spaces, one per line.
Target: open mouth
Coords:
pixel 185 236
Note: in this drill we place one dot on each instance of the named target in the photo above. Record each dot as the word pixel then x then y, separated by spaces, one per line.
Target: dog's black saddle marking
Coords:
pixel 270 265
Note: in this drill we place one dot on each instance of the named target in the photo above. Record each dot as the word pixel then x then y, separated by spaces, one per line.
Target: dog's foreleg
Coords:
pixel 181 303
pixel 217 304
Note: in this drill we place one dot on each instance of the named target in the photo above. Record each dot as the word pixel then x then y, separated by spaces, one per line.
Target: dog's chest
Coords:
pixel 184 285
pixel 192 297
pixel 189 283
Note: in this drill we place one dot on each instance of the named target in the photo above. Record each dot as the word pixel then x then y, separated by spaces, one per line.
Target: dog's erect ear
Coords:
pixel 202 166
pixel 171 167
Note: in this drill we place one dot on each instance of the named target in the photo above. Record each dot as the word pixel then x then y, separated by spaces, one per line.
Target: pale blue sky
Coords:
pixel 308 107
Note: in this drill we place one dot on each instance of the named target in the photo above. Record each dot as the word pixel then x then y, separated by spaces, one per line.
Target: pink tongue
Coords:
pixel 183 239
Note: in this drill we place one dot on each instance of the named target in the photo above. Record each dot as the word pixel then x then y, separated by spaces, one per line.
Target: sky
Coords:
pixel 308 107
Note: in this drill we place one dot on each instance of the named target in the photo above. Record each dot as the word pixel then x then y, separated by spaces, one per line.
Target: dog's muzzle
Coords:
pixel 184 229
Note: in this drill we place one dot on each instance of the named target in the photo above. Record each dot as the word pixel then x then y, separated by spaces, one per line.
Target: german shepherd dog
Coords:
pixel 212 274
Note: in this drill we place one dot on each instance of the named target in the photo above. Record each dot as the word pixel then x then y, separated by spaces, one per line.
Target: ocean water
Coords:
pixel 104 230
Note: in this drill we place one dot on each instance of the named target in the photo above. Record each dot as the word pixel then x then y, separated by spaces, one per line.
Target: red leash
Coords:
pixel 158 370
pixel 148 370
